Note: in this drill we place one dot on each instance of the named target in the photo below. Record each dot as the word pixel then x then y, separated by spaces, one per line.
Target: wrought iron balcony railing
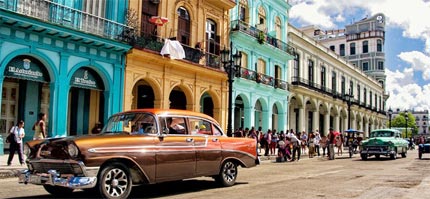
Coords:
pixel 52 12
pixel 262 78
pixel 297 81
pixel 195 55
pixel 241 26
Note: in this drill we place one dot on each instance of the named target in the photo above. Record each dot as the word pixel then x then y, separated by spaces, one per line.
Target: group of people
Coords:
pixel 18 133
pixel 289 145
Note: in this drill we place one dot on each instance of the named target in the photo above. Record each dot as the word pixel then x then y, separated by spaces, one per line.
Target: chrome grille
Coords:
pixel 62 168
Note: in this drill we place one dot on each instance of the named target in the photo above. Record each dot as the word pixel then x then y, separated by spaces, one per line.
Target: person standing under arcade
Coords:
pixel 40 127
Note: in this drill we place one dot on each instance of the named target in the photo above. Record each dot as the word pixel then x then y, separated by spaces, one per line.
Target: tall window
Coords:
pixel 278 72
pixel 184 26
pixel 379 45
pixel 365 96
pixel 261 18
pixel 380 65
pixel 212 39
pixel 352 49
pixel 296 65
pixel 323 81
pixel 365 46
pixel 244 60
pixel 311 71
pixel 261 66
pixel 351 86
pixel 342 85
pixel 365 66
pixel 333 82
pixel 243 11
pixel 370 99
pixel 96 8
pixel 342 49
pixel 278 28
pixel 358 93
pixel 148 10
pixel 332 48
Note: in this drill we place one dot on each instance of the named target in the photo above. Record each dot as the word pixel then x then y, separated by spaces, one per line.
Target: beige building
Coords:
pixel 321 83
pixel 197 82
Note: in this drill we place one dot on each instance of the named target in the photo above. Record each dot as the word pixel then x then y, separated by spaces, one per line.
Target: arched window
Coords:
pixel 278 28
pixel 365 46
pixel 212 46
pixel 184 26
pixel 243 11
pixel 379 45
pixel 261 19
pixel 352 49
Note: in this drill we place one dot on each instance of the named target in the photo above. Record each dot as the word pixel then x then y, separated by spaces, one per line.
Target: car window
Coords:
pixel 174 125
pixel 132 123
pixel 201 126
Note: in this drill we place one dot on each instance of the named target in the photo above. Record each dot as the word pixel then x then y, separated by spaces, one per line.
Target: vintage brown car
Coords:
pixel 144 146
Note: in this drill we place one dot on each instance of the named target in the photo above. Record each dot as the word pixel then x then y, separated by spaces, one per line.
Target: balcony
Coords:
pixel 195 55
pixel 252 31
pixel 55 13
pixel 301 82
pixel 262 79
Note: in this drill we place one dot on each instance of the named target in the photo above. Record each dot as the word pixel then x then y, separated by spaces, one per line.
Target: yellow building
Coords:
pixel 197 82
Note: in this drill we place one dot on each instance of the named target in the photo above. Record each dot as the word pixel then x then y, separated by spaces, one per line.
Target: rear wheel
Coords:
pixel 115 181
pixel 228 174
pixel 420 154
pixel 57 191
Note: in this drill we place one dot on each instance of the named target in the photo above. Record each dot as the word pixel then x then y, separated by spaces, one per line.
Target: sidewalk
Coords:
pixel 12 170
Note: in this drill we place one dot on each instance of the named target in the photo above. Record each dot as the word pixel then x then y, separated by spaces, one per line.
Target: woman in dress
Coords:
pixel 40 127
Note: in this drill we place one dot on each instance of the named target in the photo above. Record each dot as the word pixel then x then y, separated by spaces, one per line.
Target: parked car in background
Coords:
pixel 143 146
pixel 424 148
pixel 387 142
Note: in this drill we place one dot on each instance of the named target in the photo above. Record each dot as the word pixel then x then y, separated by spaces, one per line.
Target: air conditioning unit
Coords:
pixel 155 1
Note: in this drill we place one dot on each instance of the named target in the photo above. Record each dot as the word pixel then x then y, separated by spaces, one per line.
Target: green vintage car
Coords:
pixel 387 142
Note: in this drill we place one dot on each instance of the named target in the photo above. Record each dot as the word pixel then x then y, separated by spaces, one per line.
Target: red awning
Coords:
pixel 157 20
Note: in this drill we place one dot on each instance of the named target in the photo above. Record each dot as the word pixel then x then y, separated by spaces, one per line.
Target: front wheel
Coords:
pixel 57 191
pixel 420 154
pixel 363 156
pixel 393 156
pixel 228 174
pixel 115 181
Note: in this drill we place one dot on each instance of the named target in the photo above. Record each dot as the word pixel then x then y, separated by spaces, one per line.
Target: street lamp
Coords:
pixel 406 118
pixel 231 64
pixel 390 113
pixel 348 100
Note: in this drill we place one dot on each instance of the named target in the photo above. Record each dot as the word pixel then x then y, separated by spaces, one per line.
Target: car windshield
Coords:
pixel 382 134
pixel 131 123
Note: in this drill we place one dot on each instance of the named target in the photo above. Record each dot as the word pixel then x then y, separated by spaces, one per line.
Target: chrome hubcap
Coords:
pixel 116 182
pixel 230 172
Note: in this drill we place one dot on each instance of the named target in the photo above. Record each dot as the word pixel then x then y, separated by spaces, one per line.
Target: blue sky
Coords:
pixel 407 40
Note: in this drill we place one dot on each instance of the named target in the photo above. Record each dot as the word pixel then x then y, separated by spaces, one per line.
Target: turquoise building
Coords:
pixel 62 58
pixel 260 90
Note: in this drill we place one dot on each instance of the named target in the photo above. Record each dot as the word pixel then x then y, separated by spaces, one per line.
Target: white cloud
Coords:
pixel 419 61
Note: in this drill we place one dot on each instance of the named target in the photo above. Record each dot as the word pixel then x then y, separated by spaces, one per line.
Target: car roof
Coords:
pixel 166 112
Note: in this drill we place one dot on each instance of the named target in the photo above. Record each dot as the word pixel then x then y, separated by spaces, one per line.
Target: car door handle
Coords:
pixel 215 140
pixel 189 139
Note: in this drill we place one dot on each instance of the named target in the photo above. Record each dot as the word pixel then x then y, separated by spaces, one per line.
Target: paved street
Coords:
pixel 309 178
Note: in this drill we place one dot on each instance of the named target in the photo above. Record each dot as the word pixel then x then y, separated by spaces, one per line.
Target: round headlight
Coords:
pixel 26 150
pixel 73 150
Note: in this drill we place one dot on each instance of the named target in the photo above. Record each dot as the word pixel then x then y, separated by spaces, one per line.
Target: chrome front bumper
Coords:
pixel 55 179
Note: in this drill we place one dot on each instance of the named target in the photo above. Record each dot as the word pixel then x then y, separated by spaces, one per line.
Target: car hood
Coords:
pixel 377 141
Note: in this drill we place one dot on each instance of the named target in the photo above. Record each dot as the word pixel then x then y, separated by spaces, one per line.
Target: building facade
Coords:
pixel 327 91
pixel 260 91
pixel 62 58
pixel 362 43
pixel 194 82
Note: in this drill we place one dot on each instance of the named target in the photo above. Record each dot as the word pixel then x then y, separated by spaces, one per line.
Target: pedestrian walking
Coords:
pixel 331 143
pixel 323 144
pixel 268 140
pixel 317 142
pixel 296 147
pixel 39 127
pixel 16 146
